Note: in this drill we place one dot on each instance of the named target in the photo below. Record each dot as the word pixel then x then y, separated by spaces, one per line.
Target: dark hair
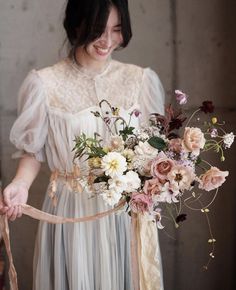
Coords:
pixel 85 20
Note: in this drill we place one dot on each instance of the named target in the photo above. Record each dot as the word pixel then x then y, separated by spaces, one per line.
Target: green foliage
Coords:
pixel 87 146
pixel 126 132
pixel 157 143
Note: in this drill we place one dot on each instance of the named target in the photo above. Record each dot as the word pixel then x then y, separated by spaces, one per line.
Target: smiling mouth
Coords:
pixel 102 50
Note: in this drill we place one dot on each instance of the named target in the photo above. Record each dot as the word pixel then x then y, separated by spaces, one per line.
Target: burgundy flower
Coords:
pixel 207 107
pixel 136 113
pixel 107 120
pixel 171 121
pixel 176 123
pixel 180 218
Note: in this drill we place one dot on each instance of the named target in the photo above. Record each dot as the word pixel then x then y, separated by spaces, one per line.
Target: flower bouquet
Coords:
pixel 157 166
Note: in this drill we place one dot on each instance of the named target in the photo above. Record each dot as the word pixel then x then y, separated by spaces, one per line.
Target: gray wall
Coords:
pixel 191 44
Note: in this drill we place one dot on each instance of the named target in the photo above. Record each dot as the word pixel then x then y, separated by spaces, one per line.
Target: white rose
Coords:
pixel 111 197
pixel 144 148
pixel 133 181
pixel 118 183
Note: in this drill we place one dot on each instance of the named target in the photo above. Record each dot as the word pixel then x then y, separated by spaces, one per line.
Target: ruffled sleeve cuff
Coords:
pixel 30 129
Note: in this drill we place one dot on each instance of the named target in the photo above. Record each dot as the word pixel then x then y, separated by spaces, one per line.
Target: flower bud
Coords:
pixel 214 120
pixel 222 158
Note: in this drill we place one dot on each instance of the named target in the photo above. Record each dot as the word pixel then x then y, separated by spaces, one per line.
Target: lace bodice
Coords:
pixel 70 89
pixel 55 103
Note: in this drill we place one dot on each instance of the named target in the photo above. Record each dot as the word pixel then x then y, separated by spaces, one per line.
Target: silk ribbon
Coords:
pixel 144 244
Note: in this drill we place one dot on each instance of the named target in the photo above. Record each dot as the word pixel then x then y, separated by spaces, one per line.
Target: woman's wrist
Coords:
pixel 21 182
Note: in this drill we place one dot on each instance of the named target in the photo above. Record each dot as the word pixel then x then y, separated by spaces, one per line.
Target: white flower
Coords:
pixel 214 133
pixel 128 154
pixel 181 177
pixel 118 183
pixel 142 135
pixel 111 197
pixel 133 181
pixel 144 148
pixel 143 164
pixel 167 194
pixel 114 164
pixel 228 139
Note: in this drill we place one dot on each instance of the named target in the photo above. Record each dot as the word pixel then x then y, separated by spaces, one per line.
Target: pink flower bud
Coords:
pixel 181 97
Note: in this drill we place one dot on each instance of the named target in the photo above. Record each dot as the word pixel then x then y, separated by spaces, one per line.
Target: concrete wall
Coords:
pixel 191 44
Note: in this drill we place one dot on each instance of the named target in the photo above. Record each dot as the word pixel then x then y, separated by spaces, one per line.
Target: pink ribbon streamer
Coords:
pixel 136 258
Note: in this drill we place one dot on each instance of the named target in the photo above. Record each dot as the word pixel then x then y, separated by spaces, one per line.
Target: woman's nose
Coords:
pixel 106 38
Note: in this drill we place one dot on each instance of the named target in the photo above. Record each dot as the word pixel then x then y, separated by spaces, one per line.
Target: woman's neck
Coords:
pixel 83 59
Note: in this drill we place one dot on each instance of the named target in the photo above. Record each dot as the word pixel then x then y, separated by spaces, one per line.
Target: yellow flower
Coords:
pixel 106 149
pixel 95 162
pixel 214 120
pixel 116 111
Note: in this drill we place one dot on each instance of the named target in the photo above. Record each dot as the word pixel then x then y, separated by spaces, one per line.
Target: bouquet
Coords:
pixel 157 166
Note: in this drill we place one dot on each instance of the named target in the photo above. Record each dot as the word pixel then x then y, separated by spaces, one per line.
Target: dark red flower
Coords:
pixel 180 218
pixel 207 107
pixel 176 123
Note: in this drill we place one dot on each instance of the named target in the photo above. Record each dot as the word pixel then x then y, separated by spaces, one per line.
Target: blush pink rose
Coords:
pixel 212 179
pixel 152 187
pixel 175 145
pixel 193 140
pixel 161 166
pixel 140 202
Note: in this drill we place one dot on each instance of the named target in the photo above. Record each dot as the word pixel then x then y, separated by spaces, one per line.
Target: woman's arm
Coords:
pixel 28 169
pixel 16 192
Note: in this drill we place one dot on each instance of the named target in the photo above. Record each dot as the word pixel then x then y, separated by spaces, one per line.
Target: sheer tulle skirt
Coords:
pixel 93 255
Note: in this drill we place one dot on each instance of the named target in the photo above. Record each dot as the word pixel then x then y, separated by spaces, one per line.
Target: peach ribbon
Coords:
pixel 145 266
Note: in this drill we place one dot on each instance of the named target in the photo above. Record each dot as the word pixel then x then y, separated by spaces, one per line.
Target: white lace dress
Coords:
pixel 55 105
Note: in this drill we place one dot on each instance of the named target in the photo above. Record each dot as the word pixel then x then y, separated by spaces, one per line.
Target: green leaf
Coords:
pixel 157 143
pixel 199 160
pixel 127 131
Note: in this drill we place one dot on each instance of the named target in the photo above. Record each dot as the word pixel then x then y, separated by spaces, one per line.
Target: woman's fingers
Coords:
pixel 4 209
pixel 14 213
pixel 10 211
pixel 19 214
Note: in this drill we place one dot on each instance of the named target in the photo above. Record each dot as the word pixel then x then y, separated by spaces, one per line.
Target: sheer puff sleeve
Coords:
pixel 30 129
pixel 152 95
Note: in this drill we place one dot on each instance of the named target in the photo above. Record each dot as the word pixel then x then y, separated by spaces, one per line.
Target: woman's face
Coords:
pixel 100 49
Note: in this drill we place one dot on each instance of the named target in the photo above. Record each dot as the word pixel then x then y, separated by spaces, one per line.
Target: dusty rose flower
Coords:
pixel 140 202
pixel 152 187
pixel 116 143
pixel 181 97
pixel 181 177
pixel 175 145
pixel 212 179
pixel 161 166
pixel 193 140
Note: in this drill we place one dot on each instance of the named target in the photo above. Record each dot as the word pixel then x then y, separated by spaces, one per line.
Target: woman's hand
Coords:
pixel 15 194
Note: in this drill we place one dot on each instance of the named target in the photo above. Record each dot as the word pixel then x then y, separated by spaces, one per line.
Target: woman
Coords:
pixel 55 104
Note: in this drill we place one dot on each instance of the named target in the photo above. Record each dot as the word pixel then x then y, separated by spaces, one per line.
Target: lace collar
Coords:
pixel 86 71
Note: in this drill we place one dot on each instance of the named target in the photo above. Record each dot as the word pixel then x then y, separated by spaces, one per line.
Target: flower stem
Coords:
pixel 193 114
